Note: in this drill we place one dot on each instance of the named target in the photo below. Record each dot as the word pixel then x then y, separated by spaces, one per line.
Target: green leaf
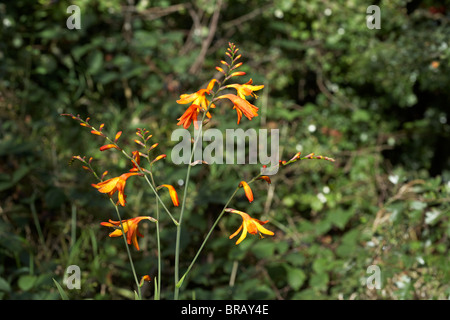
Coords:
pixel 319 281
pixel 295 277
pixel 95 61
pixel 263 249
pixel 4 285
pixel 125 293
pixel 340 218
pixel 296 259
pixel 321 265
pixel 180 282
pixel 26 282
pixel 62 293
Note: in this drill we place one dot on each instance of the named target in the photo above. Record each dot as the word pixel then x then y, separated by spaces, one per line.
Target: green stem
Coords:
pixel 73 233
pixel 158 240
pixel 128 250
pixel 178 237
pixel 183 204
pixel 162 203
pixel 37 224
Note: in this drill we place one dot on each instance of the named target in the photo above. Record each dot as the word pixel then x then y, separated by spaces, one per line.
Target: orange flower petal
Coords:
pixel 107 186
pixel 161 156
pixel 108 146
pixel 247 190
pixel 112 185
pixel 173 194
pixel 188 116
pixel 130 227
pixel 118 134
pixel 266 178
pixel 242 105
pixel 249 225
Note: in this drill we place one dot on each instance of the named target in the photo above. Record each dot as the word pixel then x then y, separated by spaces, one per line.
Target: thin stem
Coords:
pixel 178 236
pixel 37 224
pixel 162 203
pixel 158 240
pixel 128 250
pixel 73 232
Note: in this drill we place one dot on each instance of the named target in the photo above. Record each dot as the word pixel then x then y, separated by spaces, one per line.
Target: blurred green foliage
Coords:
pixel 375 100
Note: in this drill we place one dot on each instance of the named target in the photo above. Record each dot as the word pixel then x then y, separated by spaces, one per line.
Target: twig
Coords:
pixel 212 30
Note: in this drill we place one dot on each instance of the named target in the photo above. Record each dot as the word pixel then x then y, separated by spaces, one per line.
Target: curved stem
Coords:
pixel 128 251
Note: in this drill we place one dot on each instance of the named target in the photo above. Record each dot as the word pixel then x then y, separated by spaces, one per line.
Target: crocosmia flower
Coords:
pixel 112 185
pixel 246 89
pixel 189 116
pixel 198 98
pixel 130 228
pixel 198 103
pixel 249 224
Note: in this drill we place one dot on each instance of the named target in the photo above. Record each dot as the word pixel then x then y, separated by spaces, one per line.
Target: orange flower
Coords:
pixel 266 178
pixel 198 98
pixel 188 116
pixel 112 185
pixel 199 102
pixel 109 146
pixel 130 227
pixel 144 278
pixel 246 89
pixel 249 224
pixel 242 106
pixel 247 190
pixel 173 194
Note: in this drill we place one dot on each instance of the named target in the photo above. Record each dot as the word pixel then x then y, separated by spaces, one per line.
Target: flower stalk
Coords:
pixel 200 107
